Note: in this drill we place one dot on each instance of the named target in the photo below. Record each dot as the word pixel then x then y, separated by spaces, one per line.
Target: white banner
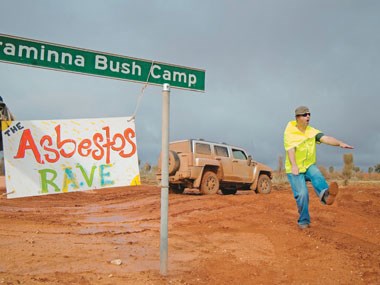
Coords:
pixel 49 157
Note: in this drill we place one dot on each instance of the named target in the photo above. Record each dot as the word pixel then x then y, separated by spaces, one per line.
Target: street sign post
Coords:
pixel 40 54
pixel 164 180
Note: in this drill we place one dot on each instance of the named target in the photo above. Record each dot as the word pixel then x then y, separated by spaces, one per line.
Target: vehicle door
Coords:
pixel 241 169
pixel 222 155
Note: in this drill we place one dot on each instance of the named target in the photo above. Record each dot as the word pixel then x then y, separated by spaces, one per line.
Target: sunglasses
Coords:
pixel 305 115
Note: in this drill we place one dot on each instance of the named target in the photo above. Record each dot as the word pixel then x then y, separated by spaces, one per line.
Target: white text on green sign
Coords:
pixel 53 56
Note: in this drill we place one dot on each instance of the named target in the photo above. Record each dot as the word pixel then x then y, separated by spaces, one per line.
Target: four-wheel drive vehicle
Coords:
pixel 210 166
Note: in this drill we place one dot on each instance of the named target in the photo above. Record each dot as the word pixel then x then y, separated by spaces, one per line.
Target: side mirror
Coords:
pixel 249 159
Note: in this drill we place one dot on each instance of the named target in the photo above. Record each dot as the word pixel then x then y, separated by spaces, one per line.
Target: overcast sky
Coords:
pixel 263 58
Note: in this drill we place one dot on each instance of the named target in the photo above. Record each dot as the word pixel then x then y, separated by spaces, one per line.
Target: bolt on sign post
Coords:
pixel 34 53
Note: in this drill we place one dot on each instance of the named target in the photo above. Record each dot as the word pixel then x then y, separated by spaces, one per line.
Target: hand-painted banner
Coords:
pixel 49 157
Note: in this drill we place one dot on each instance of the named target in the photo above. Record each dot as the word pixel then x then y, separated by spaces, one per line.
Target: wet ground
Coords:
pixel 112 236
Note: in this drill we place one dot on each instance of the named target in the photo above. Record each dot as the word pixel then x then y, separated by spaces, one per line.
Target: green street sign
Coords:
pixel 70 59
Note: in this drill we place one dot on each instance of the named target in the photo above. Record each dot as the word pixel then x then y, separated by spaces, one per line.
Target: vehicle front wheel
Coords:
pixel 264 184
pixel 209 184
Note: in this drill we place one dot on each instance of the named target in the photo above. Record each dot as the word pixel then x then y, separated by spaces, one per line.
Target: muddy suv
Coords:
pixel 210 166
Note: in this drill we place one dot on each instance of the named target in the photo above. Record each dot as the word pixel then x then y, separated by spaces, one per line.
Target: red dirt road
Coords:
pixel 241 239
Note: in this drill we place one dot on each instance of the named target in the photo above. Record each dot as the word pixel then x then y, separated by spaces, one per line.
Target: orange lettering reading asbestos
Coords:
pixel 99 146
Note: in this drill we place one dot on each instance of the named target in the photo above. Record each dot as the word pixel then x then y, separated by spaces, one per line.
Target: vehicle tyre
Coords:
pixel 173 162
pixel 209 184
pixel 264 184
pixel 229 191
pixel 176 189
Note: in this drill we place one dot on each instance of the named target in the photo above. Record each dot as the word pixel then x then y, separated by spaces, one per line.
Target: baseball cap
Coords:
pixel 301 110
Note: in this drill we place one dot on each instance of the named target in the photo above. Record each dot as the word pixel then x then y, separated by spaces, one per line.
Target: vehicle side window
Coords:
pixel 202 148
pixel 239 154
pixel 221 151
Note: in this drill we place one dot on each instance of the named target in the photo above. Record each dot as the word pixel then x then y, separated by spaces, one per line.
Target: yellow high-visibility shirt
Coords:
pixel 304 144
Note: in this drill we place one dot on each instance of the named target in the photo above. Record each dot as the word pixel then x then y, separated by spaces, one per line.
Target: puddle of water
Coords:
pixel 91 230
pixel 120 228
pixel 102 229
pixel 105 219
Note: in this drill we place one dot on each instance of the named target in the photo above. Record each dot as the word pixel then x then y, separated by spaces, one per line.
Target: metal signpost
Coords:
pixel 40 54
pixel 164 180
